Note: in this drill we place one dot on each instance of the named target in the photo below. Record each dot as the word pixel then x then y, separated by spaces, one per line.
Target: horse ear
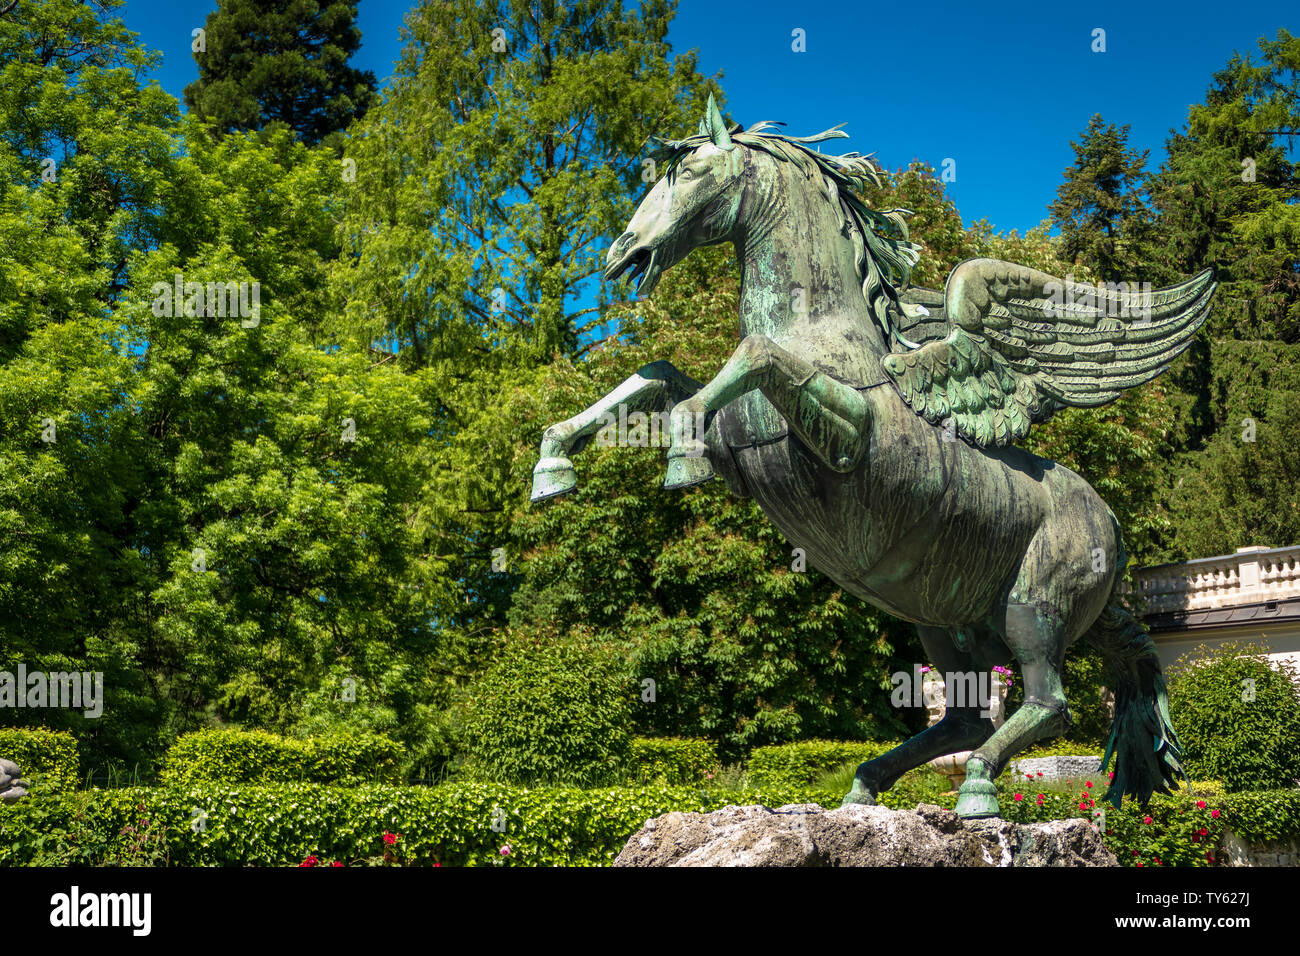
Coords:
pixel 713 126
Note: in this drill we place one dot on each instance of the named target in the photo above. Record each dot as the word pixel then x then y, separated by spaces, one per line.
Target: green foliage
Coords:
pixel 674 761
pixel 1238 715
pixel 253 756
pixel 803 763
pixel 268 62
pixel 551 709
pixel 1099 207
pixel 281 825
pixel 47 758
pixel 1180 829
pixel 1269 816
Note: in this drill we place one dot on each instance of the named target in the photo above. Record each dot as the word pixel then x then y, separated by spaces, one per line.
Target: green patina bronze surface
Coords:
pixel 874 426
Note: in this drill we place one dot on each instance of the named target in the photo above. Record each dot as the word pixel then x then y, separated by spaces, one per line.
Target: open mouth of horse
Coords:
pixel 639 264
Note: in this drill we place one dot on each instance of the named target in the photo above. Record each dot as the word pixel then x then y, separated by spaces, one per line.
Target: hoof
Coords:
pixel 978 797
pixel 862 798
pixel 552 477
pixel 687 468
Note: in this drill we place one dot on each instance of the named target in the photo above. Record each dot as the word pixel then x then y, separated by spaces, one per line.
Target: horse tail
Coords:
pixel 1148 754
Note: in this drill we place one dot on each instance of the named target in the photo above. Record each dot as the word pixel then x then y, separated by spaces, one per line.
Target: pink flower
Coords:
pixel 1214 814
pixel 1146 820
pixel 1200 804
pixel 1018 796
pixel 505 850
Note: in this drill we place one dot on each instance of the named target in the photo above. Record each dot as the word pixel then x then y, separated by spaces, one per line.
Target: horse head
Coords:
pixel 696 203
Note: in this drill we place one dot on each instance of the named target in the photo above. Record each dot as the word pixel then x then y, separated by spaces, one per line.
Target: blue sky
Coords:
pixel 1001 88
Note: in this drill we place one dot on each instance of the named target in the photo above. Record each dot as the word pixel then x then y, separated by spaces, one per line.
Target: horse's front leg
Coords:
pixel 829 416
pixel 654 388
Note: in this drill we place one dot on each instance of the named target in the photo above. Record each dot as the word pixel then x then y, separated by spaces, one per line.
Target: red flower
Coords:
pixel 1196 838
pixel 437 864
pixel 1203 832
pixel 1139 862
pixel 1146 820
pixel 1135 852
pixel 1040 773
pixel 1029 776
pixel 310 861
pixel 1200 804
pixel 336 863
pixel 1018 796
pixel 1215 814
pixel 1088 784
pixel 391 838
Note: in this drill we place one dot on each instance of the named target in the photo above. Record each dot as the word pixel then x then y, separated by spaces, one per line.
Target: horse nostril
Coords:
pixel 623 241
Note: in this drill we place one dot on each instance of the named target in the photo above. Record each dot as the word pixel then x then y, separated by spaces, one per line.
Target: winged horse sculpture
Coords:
pixel 874 425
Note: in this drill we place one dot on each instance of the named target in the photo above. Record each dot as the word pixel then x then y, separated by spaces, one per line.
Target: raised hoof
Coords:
pixel 686 470
pixel 553 477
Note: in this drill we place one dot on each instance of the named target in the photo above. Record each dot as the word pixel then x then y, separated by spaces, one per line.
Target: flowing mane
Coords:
pixel 882 252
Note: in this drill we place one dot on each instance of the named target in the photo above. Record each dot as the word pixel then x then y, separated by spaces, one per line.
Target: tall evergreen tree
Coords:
pixel 267 61
pixel 1099 207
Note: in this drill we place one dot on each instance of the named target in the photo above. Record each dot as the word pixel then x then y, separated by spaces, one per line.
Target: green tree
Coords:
pixel 503 162
pixel 1099 207
pixel 267 62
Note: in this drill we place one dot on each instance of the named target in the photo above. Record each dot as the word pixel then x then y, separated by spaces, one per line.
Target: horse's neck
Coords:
pixel 799 284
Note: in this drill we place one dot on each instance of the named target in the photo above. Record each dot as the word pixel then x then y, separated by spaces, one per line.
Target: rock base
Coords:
pixel 808 835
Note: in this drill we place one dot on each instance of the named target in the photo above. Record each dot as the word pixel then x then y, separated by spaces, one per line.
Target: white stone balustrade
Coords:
pixel 1253 575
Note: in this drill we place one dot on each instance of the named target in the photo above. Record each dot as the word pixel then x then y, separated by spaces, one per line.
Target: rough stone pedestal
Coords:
pixel 808 835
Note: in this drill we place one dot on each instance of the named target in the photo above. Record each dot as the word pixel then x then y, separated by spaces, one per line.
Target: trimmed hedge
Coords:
pixel 672 760
pixel 280 825
pixel 254 756
pixel 800 764
pixel 47 758
pixel 453 824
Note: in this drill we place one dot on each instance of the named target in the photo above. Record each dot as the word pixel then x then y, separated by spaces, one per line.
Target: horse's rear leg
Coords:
pixel 656 387
pixel 1037 640
pixel 962 728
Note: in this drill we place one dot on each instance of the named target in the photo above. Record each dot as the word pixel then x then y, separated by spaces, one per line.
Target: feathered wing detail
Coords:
pixel 1021 345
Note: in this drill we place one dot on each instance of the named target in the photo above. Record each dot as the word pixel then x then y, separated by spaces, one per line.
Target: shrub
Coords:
pixel 802 763
pixel 550 713
pixel 468 824
pixel 462 824
pixel 672 760
pixel 1238 716
pixel 47 758
pixel 254 756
